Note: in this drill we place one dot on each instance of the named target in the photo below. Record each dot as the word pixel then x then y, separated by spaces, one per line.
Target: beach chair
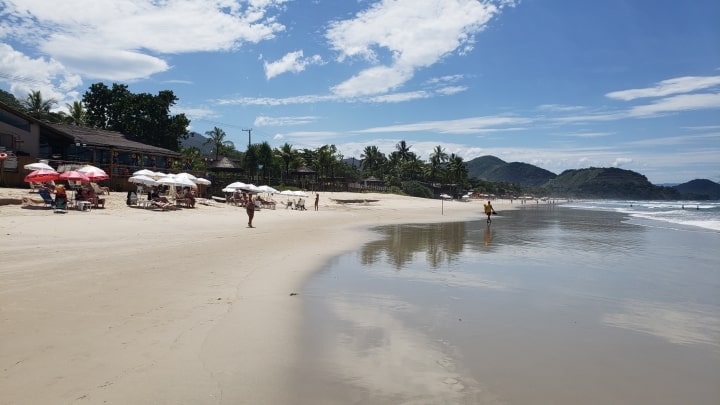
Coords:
pixel 132 198
pixel 99 190
pixel 35 186
pixel 47 199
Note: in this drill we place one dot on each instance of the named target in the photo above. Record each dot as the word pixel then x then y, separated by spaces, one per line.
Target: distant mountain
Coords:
pixel 608 183
pixel 491 168
pixel 699 189
pixel 481 166
pixel 198 141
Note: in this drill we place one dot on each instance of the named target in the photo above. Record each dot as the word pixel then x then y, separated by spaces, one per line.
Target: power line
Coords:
pixel 24 79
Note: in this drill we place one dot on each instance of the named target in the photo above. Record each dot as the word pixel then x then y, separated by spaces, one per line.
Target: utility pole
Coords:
pixel 249 131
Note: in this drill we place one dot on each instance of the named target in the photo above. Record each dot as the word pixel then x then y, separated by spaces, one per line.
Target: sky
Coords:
pixel 559 84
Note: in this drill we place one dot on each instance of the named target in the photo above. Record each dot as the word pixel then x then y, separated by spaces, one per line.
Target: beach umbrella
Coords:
pixel 42 175
pixel 299 193
pixel 144 172
pixel 140 179
pixel 251 188
pixel 236 185
pixel 185 175
pixel 94 173
pixel 74 175
pixel 38 166
pixel 204 182
pixel 267 189
pixel 174 181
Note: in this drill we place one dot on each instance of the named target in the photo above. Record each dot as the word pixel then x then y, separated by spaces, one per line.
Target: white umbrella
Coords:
pixel 159 175
pixel 251 188
pixel 299 193
pixel 202 181
pixel 186 176
pixel 236 185
pixel 38 166
pixel 144 172
pixel 267 189
pixel 174 181
pixel 143 180
pixel 288 193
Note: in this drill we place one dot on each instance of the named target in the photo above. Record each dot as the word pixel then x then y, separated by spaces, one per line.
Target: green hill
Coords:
pixel 699 189
pixel 608 183
pixel 491 168
pixel 481 166
pixel 524 174
pixel 198 141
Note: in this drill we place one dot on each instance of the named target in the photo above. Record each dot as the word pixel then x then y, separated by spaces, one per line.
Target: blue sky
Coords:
pixel 559 84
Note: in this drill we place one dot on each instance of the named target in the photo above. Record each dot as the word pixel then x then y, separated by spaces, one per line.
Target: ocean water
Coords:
pixel 611 302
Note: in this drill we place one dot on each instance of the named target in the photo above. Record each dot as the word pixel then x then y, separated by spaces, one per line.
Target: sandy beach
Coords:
pixel 127 305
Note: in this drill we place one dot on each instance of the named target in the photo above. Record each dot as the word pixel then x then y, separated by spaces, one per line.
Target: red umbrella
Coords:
pixel 94 173
pixel 74 175
pixel 42 175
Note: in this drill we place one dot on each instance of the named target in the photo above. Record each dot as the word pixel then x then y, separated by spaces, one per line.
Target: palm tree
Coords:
pixel 287 154
pixel 437 158
pixel 325 159
pixel 217 139
pixel 414 168
pixel 36 106
pixel 456 169
pixel 404 150
pixel 372 160
pixel 75 114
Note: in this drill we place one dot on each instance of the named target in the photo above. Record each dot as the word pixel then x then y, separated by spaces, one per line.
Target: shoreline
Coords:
pixel 190 306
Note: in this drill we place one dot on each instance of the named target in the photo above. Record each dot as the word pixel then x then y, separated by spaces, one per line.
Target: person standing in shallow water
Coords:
pixel 317 201
pixel 250 209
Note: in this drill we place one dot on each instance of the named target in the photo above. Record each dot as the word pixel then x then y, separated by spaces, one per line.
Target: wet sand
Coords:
pixel 546 306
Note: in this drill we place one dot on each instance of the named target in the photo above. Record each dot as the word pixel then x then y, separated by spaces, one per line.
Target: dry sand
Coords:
pixel 124 305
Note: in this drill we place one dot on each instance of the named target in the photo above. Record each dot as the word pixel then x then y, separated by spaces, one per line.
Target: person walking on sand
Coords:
pixel 488 211
pixel 317 201
pixel 250 209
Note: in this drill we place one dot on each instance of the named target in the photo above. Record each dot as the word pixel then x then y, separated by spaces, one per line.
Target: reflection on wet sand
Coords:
pixel 685 326
pixel 544 306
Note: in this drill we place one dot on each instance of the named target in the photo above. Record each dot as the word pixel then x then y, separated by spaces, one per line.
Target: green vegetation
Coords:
pixel 607 183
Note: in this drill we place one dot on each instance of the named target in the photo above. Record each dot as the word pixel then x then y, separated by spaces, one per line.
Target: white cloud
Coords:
pixel 559 108
pixel 684 102
pixel 283 121
pixel 450 90
pixel 108 39
pixel 472 125
pixel 668 87
pixel 588 134
pixel 400 97
pixel 27 74
pixel 292 62
pixel 410 34
pixel 621 161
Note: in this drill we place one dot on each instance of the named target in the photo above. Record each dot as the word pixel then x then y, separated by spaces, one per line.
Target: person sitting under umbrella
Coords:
pixel 88 194
pixel 60 195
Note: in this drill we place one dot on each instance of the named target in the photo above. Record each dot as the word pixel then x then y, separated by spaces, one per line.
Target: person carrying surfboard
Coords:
pixel 489 210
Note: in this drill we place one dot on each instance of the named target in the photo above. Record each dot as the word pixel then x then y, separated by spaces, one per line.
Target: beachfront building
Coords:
pixel 68 146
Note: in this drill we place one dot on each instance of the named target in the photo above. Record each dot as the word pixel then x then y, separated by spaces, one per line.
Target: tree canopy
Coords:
pixel 143 116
